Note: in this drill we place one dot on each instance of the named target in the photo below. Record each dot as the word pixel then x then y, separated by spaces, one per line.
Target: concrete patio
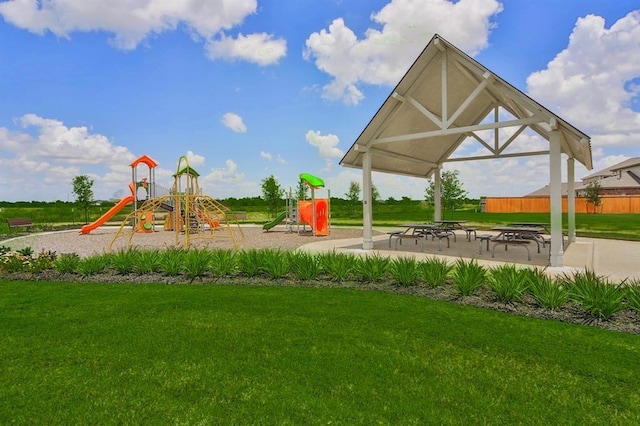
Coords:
pixel 615 259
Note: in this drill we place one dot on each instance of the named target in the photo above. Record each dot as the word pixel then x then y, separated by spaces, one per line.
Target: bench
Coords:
pixel 470 231
pixel 19 222
pixel 483 237
pixel 508 242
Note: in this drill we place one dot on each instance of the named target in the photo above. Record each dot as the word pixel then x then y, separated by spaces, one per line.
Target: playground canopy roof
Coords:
pixel 145 159
pixel 445 98
pixel 187 170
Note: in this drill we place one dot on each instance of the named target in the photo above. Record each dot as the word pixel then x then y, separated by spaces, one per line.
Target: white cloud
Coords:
pixel 259 48
pixel 384 55
pixel 327 145
pixel 227 175
pixel 52 141
pixel 234 122
pixel 195 160
pixel 266 155
pixel 39 160
pixel 591 82
pixel 133 21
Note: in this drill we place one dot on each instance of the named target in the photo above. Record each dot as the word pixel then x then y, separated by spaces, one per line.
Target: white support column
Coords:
pixel 367 215
pixel 555 171
pixel 437 195
pixel 571 200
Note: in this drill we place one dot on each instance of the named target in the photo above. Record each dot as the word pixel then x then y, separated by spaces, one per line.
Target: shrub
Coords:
pixel 67 263
pixel 276 263
pixel 44 261
pixel 548 292
pixel 171 261
pixel 91 265
pixel 122 261
pixel 633 294
pixel 14 262
pixel 371 268
pixel 250 262
pixel 404 271
pixel 26 251
pixel 339 266
pixel 196 263
pixel 595 294
pixel 224 262
pixel 147 261
pixel 508 282
pixel 468 276
pixel 434 271
pixel 305 266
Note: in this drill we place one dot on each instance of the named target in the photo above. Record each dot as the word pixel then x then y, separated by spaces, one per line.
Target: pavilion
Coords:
pixel 445 98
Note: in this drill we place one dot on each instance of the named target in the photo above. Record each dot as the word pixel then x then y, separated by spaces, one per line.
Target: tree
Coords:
pixel 302 191
pixel 452 195
pixel 375 196
pixel 353 195
pixel 83 188
pixel 272 194
pixel 593 194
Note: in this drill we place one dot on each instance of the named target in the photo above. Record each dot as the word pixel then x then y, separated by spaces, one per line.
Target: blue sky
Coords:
pixel 252 88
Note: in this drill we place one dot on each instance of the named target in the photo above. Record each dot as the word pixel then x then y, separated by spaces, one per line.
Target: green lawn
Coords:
pixel 161 354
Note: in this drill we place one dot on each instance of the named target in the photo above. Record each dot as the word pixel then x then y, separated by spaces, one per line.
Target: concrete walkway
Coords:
pixel 617 260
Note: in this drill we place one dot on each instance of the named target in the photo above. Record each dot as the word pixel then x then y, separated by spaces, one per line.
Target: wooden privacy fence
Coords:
pixel 610 204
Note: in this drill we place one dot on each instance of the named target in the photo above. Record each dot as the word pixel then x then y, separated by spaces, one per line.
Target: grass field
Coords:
pixel 159 354
pixel 616 226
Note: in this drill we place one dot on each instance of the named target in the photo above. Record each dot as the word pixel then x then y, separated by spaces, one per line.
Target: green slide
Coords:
pixel 274 222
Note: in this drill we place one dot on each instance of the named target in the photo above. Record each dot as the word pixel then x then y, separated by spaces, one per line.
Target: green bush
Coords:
pixel 147 261
pixel 371 268
pixel 92 265
pixel 305 266
pixel 468 276
pixel 276 263
pixel 171 261
pixel 224 262
pixel 633 294
pixel 339 266
pixel 250 262
pixel 404 271
pixel 67 263
pixel 548 292
pixel 434 271
pixel 595 294
pixel 508 282
pixel 123 260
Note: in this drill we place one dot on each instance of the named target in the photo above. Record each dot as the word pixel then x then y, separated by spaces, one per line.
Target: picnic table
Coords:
pixel 454 224
pixel 516 236
pixel 419 232
pixel 542 225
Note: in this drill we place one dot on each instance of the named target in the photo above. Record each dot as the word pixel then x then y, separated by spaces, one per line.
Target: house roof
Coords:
pixel 545 190
pixel 445 98
pixel 624 180
pixel 626 164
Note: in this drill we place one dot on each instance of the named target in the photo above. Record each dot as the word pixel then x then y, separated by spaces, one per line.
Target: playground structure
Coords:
pixel 314 212
pixel 190 214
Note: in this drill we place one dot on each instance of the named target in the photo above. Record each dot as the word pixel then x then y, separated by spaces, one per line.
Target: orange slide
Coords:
pixel 305 208
pixel 113 210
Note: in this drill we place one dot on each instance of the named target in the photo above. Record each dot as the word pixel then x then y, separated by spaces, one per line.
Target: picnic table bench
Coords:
pixel 18 222
pixel 510 242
